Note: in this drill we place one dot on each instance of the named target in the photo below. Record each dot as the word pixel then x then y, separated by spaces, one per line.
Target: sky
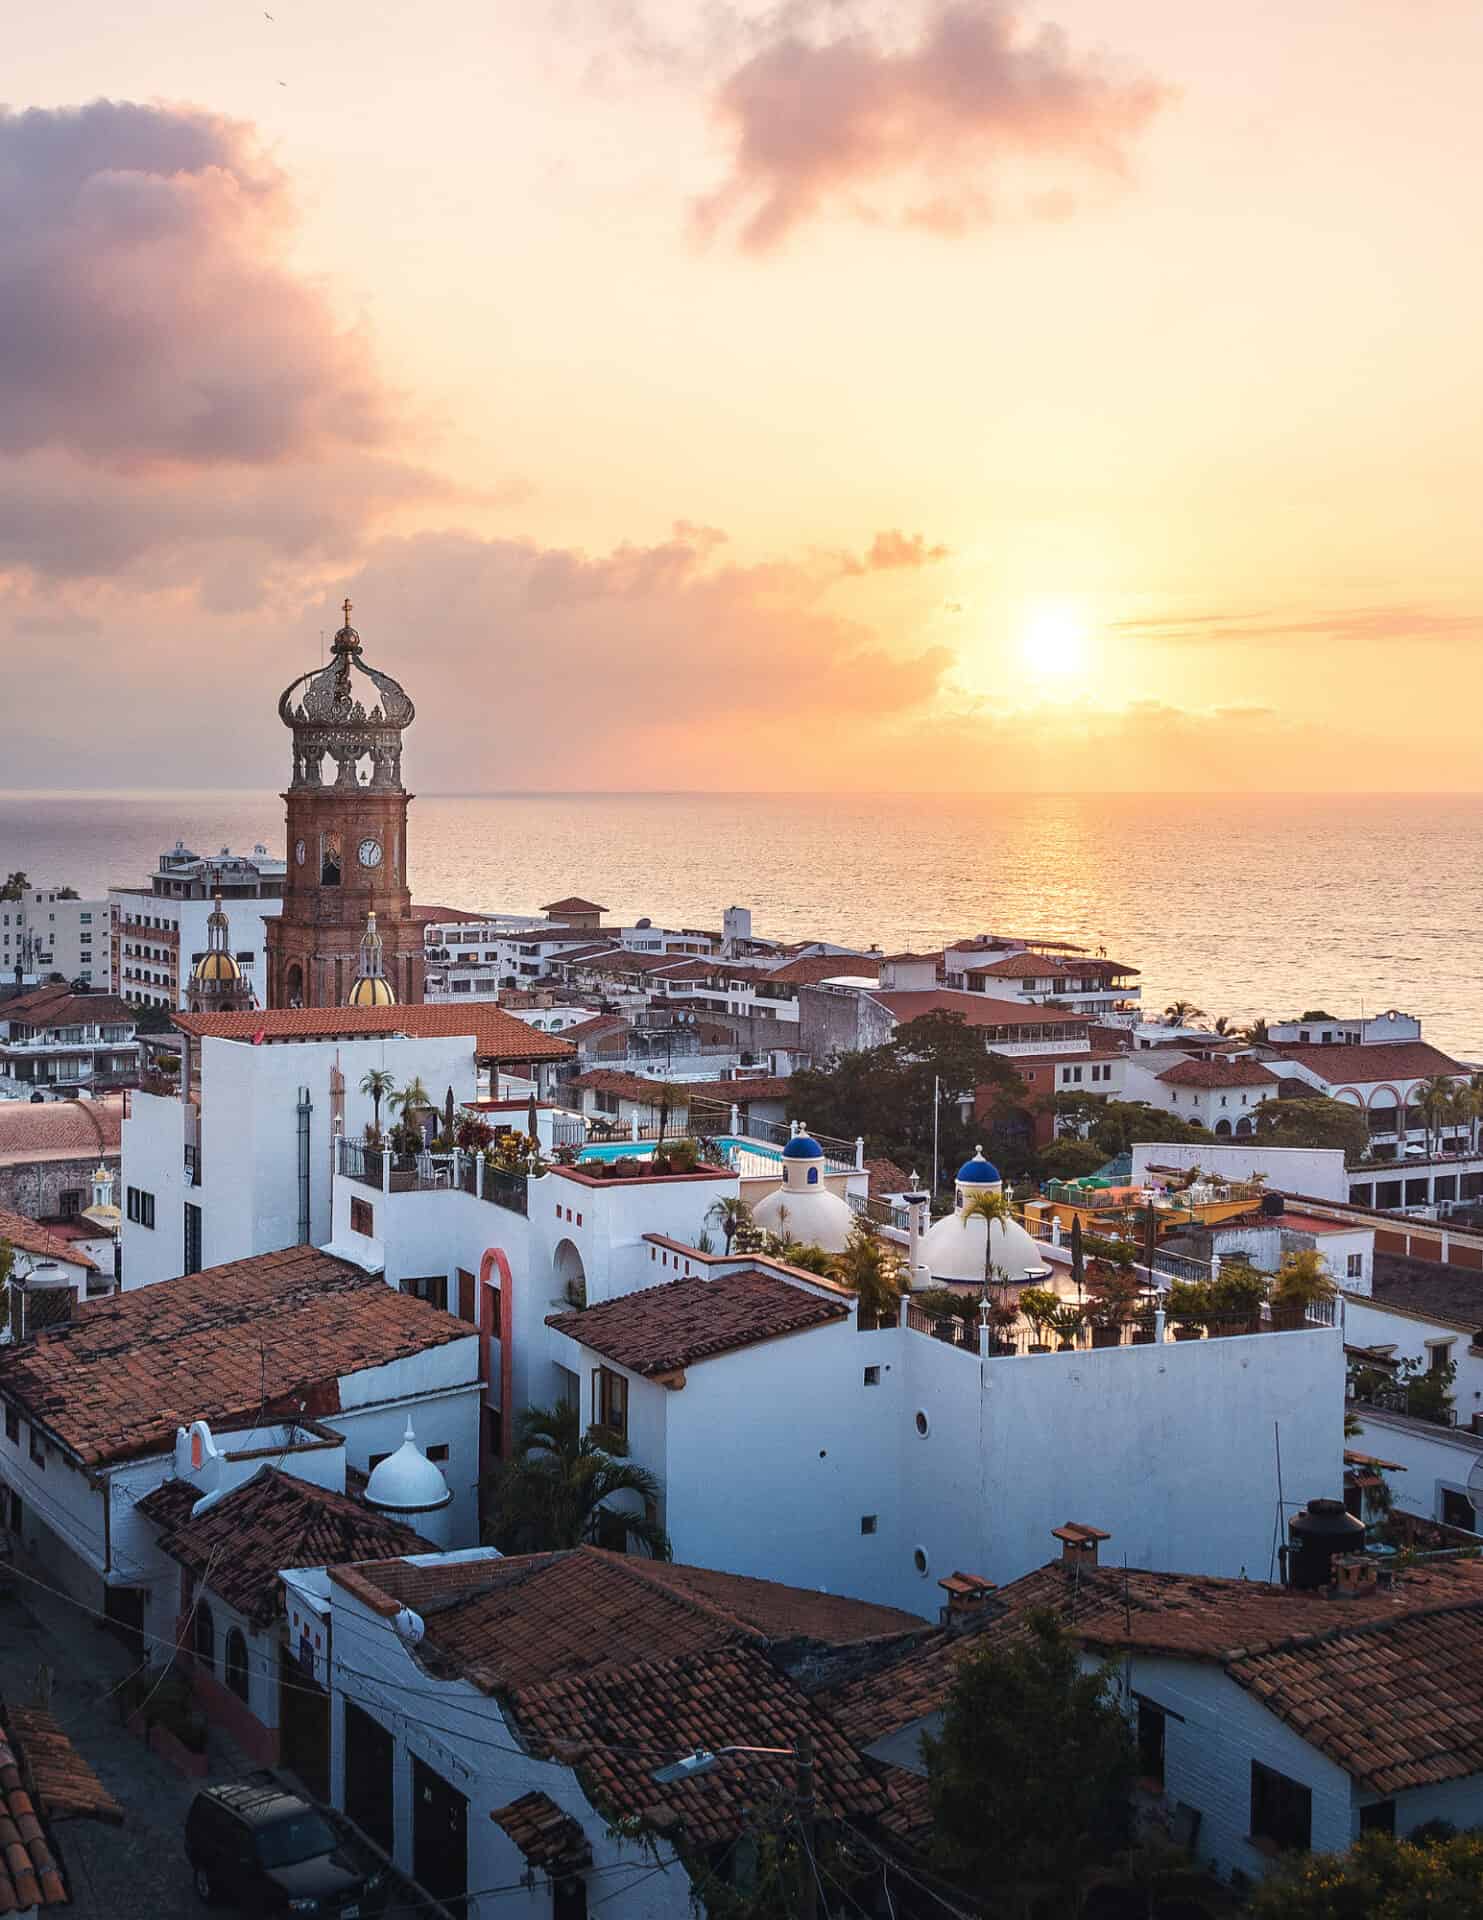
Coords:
pixel 827 394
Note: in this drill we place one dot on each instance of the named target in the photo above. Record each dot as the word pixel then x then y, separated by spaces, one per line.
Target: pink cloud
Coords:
pixel 150 316
pixel 822 125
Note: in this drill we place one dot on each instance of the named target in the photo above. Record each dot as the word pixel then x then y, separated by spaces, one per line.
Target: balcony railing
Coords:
pixel 1143 1329
pixel 389 1172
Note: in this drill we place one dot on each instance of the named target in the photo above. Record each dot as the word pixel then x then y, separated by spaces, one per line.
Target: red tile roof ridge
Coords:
pixel 18 1230
pixel 682 1322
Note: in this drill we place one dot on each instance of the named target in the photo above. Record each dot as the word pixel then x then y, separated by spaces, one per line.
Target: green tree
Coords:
pixel 994 1210
pixel 1030 1779
pixel 1179 1013
pixel 555 1491
pixel 1070 1159
pixel 377 1083
pixel 412 1098
pixel 1380 1879
pixel 1116 1125
pixel 1314 1122
pixel 888 1094
pixel 730 1214
pixel 872 1271
pixel 15 885
pixel 1433 1100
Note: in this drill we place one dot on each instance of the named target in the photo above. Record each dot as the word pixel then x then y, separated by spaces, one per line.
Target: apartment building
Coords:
pixel 159 930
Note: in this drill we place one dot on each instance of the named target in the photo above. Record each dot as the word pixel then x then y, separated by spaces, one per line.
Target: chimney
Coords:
pixel 1079 1543
pixel 967 1597
pixel 1355 1573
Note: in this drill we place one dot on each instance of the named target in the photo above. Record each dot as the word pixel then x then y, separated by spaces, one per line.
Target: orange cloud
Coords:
pixel 838 124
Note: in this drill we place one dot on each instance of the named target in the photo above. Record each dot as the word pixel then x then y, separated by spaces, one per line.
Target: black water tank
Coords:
pixel 1319 1533
pixel 1273 1205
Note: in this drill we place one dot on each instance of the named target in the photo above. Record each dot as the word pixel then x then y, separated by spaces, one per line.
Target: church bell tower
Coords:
pixel 347 835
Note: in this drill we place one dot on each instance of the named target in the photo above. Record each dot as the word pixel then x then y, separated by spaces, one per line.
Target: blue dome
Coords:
pixel 804 1147
pixel 979 1172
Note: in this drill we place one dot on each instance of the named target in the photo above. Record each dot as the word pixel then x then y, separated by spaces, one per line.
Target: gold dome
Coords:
pixel 217 966
pixel 371 990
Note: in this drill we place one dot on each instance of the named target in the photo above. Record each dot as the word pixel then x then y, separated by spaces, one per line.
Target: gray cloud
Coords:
pixel 838 123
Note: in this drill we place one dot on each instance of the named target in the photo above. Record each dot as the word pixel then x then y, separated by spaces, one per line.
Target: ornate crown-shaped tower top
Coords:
pixel 330 718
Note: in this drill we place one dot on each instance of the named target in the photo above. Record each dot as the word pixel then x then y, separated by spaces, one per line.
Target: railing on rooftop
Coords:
pixel 1143 1329
pixel 390 1172
pixel 884 1213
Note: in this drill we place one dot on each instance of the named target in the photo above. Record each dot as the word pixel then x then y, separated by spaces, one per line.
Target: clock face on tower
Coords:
pixel 369 853
pixel 299 851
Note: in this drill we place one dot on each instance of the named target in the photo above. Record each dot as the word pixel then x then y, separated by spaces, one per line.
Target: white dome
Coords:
pixel 813 1215
pixel 407 1481
pixel 953 1249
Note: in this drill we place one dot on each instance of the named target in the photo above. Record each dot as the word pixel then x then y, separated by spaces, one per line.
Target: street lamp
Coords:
pixel 703 1759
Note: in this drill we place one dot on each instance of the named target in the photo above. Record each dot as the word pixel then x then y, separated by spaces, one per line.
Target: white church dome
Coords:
pixel 953 1248
pixel 803 1207
pixel 407 1481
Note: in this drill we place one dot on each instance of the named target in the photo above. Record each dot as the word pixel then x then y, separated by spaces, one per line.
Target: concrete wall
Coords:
pixel 1315 1171
pixel 153 1159
pixel 35 1187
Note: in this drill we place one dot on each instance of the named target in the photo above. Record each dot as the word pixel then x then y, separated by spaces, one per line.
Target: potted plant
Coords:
pixel 1002 1317
pixel 1113 1303
pixel 1188 1306
pixel 1302 1281
pixel 1038 1305
pixel 1066 1323
pixel 1236 1297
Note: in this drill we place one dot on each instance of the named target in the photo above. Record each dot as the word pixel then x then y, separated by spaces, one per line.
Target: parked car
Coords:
pixel 264 1850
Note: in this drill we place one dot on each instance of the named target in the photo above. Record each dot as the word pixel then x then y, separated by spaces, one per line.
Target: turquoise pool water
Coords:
pixel 644 1149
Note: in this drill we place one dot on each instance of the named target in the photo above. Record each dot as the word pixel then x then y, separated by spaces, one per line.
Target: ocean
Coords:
pixel 1242 903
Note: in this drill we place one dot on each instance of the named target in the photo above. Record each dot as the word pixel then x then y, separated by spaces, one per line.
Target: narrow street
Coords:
pixel 139 1868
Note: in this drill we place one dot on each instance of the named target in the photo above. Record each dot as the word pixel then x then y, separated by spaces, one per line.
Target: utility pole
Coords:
pixel 808 1902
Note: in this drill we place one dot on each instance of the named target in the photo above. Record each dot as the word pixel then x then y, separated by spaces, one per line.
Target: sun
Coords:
pixel 1053 640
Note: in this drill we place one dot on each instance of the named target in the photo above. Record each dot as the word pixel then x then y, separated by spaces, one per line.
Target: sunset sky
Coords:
pixel 832 394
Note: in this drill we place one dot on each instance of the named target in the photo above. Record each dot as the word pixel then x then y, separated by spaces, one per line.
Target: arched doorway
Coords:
pixel 570 1275
pixel 293 985
pixel 1223 1129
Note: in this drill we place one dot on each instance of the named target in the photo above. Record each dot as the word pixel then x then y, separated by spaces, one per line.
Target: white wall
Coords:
pixel 1168 1447
pixel 1315 1171
pixel 154 1137
pixel 461 1734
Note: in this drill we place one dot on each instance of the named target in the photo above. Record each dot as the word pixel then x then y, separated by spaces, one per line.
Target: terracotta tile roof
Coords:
pixel 632 1086
pixel 1453 1294
pixel 530 1618
pixel 886 1177
pixel 272 1521
pixel 61 1129
pixel 1397 1704
pixel 573 903
pixel 37 1759
pixel 63 1785
pixel 495 1033
pixel 738 1092
pixel 71 1010
pixel 269 1333
pixel 1042 966
pixel 658 1710
pixel 976 1008
pixel 659 1329
pixel 814 967
pixel 1218 1073
pixel 1180 1615
pixel 31 1237
pixel 599 1023
pixel 620 960
pixel 547 1837
pixel 1366 1066
pixel 445 916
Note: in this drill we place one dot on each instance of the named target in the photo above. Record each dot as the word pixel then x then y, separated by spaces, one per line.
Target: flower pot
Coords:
pixel 1288 1316
pixel 1142 1337
pixel 1036 1347
pixel 1107 1336
pixel 1189 1333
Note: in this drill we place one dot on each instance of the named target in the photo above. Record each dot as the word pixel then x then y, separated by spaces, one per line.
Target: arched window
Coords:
pixel 203 1637
pixel 813 1176
pixel 236 1663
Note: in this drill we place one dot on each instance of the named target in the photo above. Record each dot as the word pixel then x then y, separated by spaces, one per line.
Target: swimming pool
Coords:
pixel 644 1149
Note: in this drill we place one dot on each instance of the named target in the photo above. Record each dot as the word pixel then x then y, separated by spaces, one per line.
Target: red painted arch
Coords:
pixel 495 1260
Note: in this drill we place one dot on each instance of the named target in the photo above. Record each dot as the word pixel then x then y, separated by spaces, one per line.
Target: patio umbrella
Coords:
pixel 1078 1269
pixel 530 1117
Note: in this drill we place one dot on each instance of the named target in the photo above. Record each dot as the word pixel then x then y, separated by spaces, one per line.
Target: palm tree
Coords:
pixel 988 1207
pixel 1462 1108
pixel 1433 1100
pixel 1222 1025
pixel 1255 1034
pixel 1475 1088
pixel 872 1272
pixel 376 1084
pixel 730 1214
pixel 1179 1013
pixel 554 1493
pixel 412 1098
